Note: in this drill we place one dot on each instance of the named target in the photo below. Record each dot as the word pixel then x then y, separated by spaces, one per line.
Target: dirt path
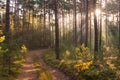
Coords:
pixel 29 72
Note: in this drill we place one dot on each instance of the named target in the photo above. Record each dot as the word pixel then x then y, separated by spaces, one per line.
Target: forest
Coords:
pixel 59 39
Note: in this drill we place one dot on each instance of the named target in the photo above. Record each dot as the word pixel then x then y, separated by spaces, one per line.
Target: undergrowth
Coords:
pixel 12 56
pixel 78 63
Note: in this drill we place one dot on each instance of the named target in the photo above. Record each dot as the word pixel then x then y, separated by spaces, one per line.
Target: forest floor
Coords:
pixel 30 73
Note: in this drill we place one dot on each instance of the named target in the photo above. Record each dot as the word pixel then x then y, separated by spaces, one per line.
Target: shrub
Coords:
pixel 78 64
pixel 11 58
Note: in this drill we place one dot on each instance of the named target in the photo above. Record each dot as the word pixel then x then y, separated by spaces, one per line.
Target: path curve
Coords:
pixel 29 72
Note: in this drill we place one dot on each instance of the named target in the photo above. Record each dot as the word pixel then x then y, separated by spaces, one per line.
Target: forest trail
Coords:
pixel 29 72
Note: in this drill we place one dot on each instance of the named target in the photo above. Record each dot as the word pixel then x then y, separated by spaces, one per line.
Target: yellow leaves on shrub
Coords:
pixel 2 38
pixel 106 48
pixel 19 61
pixel 83 65
pixel 83 46
pixel 111 65
pixel 85 49
pixel 77 49
pixel 67 53
pixel 46 75
pixel 23 49
pixel 62 61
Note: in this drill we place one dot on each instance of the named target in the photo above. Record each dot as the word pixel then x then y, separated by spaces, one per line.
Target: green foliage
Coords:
pixel 11 58
pixel 110 51
pixel 78 53
pixel 78 64
pixel 95 74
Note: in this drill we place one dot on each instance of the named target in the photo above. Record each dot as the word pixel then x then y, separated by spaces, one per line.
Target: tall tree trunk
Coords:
pixel 119 30
pixel 16 8
pixel 81 26
pixel 49 21
pixel 106 29
pixel 75 24
pixel 44 23
pixel 96 31
pixel 86 24
pixel 6 57
pixel 100 39
pixel 7 28
pixel 100 34
pixel 106 24
pixel 56 30
pixel 90 33
pixel 23 21
pixel 63 24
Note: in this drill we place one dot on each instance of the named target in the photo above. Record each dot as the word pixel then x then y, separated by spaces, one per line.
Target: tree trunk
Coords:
pixel 63 24
pixel 75 24
pixel 86 24
pixel 100 39
pixel 119 30
pixel 7 16
pixel 96 31
pixel 106 28
pixel 56 30
pixel 49 21
pixel 6 57
pixel 81 26
pixel 23 21
pixel 106 24
pixel 44 23
pixel 90 33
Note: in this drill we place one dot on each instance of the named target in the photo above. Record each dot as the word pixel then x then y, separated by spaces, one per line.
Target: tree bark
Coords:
pixel 119 29
pixel 6 57
pixel 74 25
pixel 86 24
pixel 81 26
pixel 7 28
pixel 63 24
pixel 90 33
pixel 100 39
pixel 56 30
pixel 96 31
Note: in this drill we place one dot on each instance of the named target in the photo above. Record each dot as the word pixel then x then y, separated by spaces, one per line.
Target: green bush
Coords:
pixel 12 56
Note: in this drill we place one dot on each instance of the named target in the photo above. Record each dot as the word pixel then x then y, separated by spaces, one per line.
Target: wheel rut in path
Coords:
pixel 29 72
